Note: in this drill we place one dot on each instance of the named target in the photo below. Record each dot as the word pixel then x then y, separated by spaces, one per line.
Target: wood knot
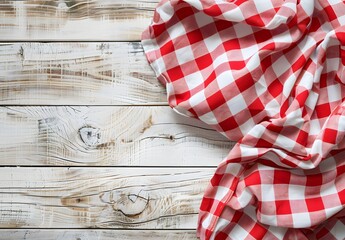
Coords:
pixel 76 202
pixel 131 205
pixel 62 6
pixel 147 124
pixel 21 51
pixel 90 135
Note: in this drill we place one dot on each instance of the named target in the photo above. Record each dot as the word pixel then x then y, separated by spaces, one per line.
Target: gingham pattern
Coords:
pixel 270 76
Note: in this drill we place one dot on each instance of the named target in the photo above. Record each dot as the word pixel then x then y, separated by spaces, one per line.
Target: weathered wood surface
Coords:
pixel 80 20
pixel 86 234
pixel 145 198
pixel 107 136
pixel 110 191
pixel 77 74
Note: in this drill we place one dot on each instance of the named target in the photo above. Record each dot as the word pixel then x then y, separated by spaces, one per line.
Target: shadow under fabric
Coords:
pixel 270 76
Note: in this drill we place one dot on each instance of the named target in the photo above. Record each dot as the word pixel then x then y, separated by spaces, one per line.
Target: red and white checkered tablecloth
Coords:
pixel 269 75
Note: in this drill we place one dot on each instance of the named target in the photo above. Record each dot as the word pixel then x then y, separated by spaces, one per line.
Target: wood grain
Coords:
pixel 107 136
pixel 85 234
pixel 145 198
pixel 78 20
pixel 77 74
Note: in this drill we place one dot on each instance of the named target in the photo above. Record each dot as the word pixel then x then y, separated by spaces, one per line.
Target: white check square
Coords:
pixel 301 220
pixel 281 65
pixel 237 104
pixel 185 55
pixel 238 233
pixel 193 80
pixel 267 193
pixel 224 79
pixel 213 42
pixel 296 192
pixel 263 6
pixel 334 93
pixel 197 98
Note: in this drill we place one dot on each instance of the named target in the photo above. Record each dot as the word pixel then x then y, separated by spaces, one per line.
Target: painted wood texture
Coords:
pixel 107 136
pixel 97 234
pixel 77 74
pixel 145 198
pixel 110 159
pixel 56 20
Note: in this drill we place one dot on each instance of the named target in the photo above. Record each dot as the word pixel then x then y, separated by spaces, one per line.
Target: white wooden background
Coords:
pixel 89 148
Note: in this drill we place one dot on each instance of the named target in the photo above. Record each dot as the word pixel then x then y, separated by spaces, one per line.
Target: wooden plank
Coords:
pixel 44 234
pixel 77 74
pixel 107 136
pixel 145 198
pixel 80 20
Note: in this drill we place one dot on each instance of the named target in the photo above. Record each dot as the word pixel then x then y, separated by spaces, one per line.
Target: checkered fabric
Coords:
pixel 269 75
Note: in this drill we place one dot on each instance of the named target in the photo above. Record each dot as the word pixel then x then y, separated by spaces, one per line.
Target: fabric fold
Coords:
pixel 269 76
